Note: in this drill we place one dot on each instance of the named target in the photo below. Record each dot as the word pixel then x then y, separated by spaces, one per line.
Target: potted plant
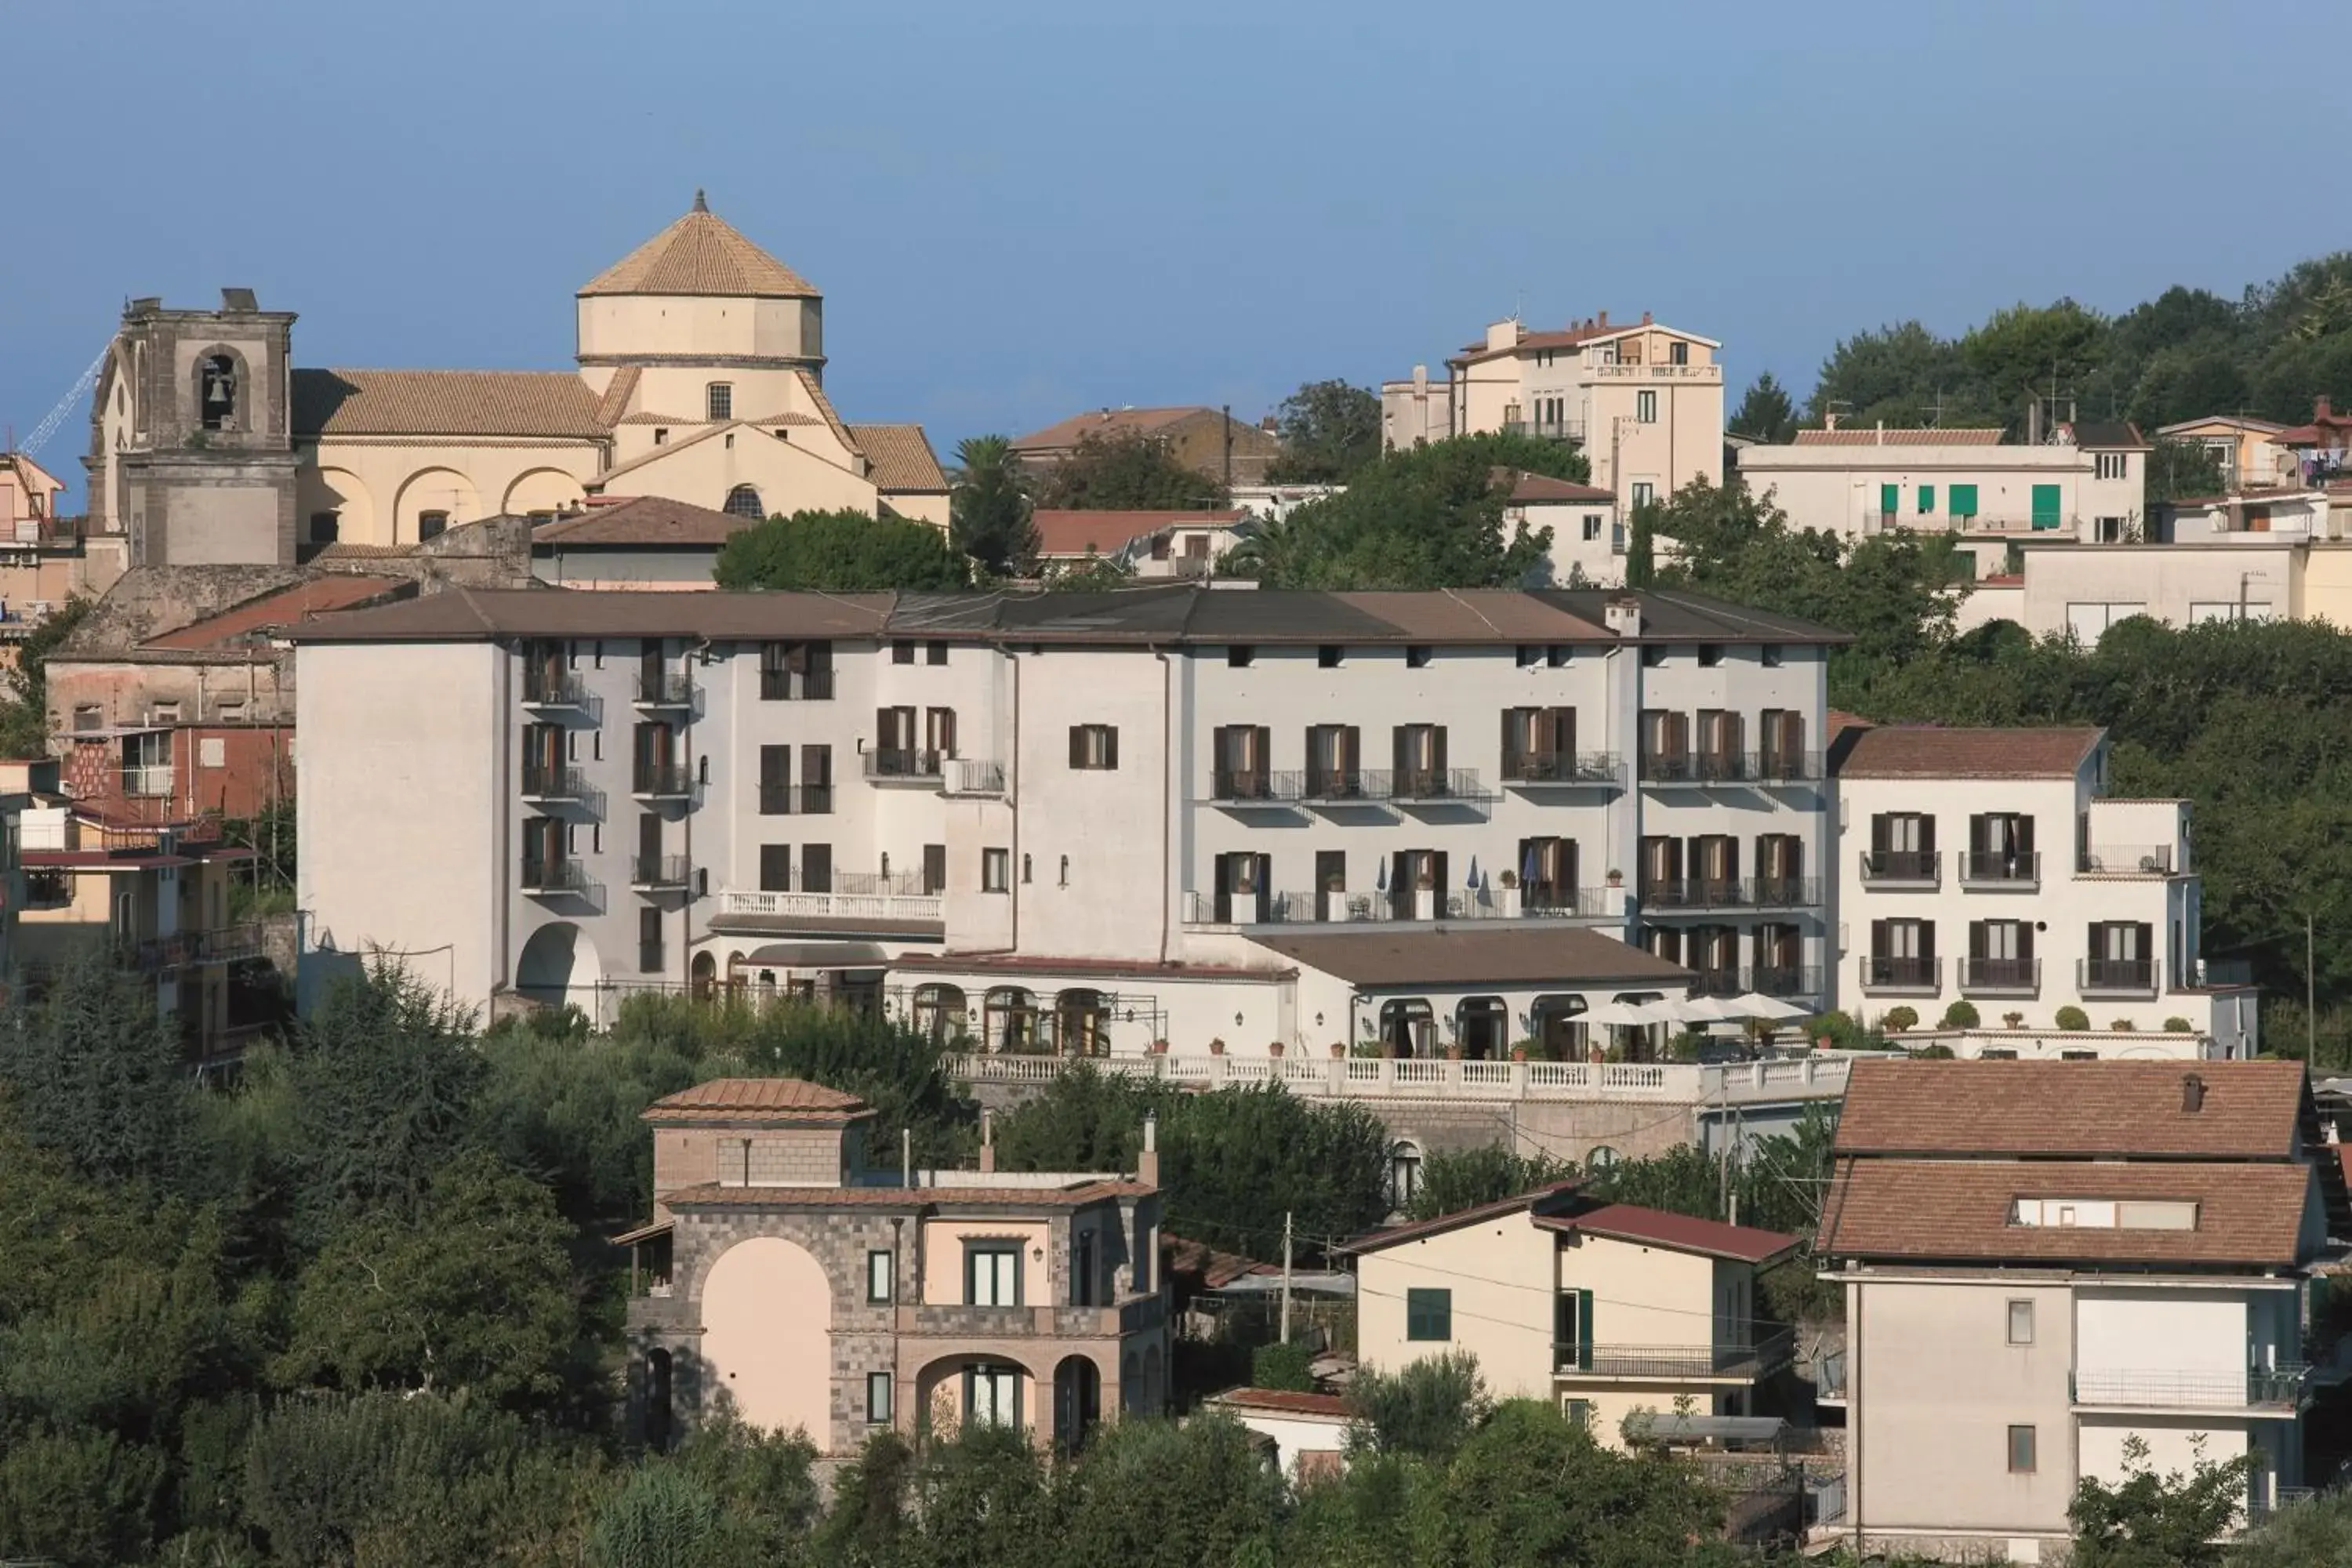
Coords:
pixel 1159 1048
pixel 2123 1025
pixel 2014 1020
pixel 1338 1051
pixel 1961 1014
pixel 2177 1025
pixel 1274 1049
pixel 1894 1020
pixel 2072 1018
pixel 1616 877
pixel 1217 1046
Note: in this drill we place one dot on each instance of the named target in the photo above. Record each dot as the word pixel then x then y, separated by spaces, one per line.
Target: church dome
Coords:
pixel 700 254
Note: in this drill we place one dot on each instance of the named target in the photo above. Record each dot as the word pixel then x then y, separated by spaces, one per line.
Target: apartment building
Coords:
pixel 1078 820
pixel 1991 866
pixel 781 1278
pixel 2048 1263
pixel 1643 399
pixel 2088 483
pixel 1607 1307
pixel 2240 446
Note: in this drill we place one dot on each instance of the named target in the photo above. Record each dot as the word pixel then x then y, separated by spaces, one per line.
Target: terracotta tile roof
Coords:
pixel 901 456
pixel 1180 1255
pixel 37 481
pixel 645 519
pixel 1076 533
pixel 1958 1211
pixel 1928 752
pixel 814 392
pixel 1573 958
pixel 756 1100
pixel 1284 1402
pixel 1675 1232
pixel 1598 329
pixel 2122 1109
pixel 1856 436
pixel 619 392
pixel 1065 434
pixel 700 254
pixel 1542 1200
pixel 1536 488
pixel 287 607
pixel 1006 1197
pixel 549 402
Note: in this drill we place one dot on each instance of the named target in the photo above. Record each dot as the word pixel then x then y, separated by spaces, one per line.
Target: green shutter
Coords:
pixel 1927 499
pixel 1584 1331
pixel 2046 506
pixel 1964 500
pixel 1890 498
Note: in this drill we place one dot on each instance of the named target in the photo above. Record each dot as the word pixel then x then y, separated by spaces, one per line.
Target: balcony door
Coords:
pixel 1715 954
pixel 1780 961
pixel 1781 737
pixel 2001 845
pixel 1335 760
pixel 2001 952
pixel 1662 869
pixel 1780 867
pixel 1547 874
pixel 1665 744
pixel 2122 952
pixel 894 741
pixel 1572 1330
pixel 1537 741
pixel 1714 866
pixel 1243 875
pixel 542 845
pixel 1412 872
pixel 940 732
pixel 1901 845
pixel 1902 951
pixel 1240 753
pixel 1419 759
pixel 1720 739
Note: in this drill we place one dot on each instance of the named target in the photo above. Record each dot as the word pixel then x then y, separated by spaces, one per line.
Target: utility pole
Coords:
pixel 1286 1276
pixel 2310 999
pixel 1226 424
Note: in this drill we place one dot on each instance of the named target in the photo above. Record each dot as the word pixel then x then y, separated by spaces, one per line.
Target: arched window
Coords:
pixel 744 502
pixel 1009 1019
pixel 1405 1175
pixel 1602 1158
pixel 1408 1027
pixel 217 392
pixel 1080 1023
pixel 938 1013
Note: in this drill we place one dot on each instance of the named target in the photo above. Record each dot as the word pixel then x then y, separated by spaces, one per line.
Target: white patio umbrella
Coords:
pixel 1617 1015
pixel 1705 1009
pixel 1756 1004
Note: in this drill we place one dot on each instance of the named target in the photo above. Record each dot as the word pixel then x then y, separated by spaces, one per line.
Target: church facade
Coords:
pixel 699 379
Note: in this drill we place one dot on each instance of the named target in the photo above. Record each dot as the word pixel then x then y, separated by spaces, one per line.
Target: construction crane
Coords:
pixel 57 416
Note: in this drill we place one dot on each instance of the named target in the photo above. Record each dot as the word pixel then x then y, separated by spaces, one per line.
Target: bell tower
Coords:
pixel 192 453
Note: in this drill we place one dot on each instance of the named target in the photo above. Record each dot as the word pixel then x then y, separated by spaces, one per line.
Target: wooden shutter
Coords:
pixel 2025 940
pixel 1562 738
pixel 1926 941
pixel 1927 836
pixel 1880 833
pixel 1078 745
pixel 775 868
pixel 1351 750
pixel 1110 745
pixel 1261 747
pixel 816 868
pixel 1584 1331
pixel 1437 863
pixel 2021 832
pixel 935 868
pixel 1890 498
pixel 1437 751
pixel 816 764
pixel 1977 942
pixel 1879 930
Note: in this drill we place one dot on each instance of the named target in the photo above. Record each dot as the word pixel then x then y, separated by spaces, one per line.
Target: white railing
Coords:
pixel 969 775
pixel 1378 1077
pixel 834 906
pixel 152 779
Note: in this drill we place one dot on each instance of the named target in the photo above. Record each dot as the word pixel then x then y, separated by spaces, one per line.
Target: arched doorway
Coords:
pixel 1009 1019
pixel 1483 1024
pixel 767 1321
pixel 1078 1402
pixel 1558 1037
pixel 559 966
pixel 939 1013
pixel 1404 1174
pixel 1081 1023
pixel 703 975
pixel 1408 1027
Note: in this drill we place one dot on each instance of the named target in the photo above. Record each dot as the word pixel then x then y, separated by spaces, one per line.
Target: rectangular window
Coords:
pixel 1768 655
pixel 1428 1314
pixel 1709 655
pixel 1240 657
pixel 935 868
pixel 1927 501
pixel 935 653
pixel 902 652
pixel 1556 656
pixel 991 1274
pixel 1645 407
pixel 1964 500
pixel 816 780
pixel 1678 352
pixel 2021 1451
pixel 816 868
pixel 719 400
pixel 1529 654
pixel 775 781
pixel 1644 492
pixel 2046 506
pixel 775 868
pixel 1890 499
pixel 995 870
pixel 881 1275
pixel 877 1399
pixel 1094 747
pixel 2110 464
pixel 1591 527
pixel 649 942
pixel 1417 656
pixel 1328 657
pixel 1580 1411
pixel 2020 1323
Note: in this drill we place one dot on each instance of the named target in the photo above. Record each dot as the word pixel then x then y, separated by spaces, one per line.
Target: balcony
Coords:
pixel 796 685
pixel 1438 786
pixel 902 765
pixel 2000 977
pixel 555 783
pixel 1546 429
pixel 787 800
pixel 661 781
pixel 2001 871
pixel 1902 868
pixel 1344 786
pixel 1910 977
pixel 2117 976
pixel 670 689
pixel 832 905
pixel 1726 770
pixel 1783 980
pixel 189 949
pixel 1563 770
pixel 154 780
pixel 658 873
pixel 2128 860
pixel 1738 1360
pixel 1709 373
pixel 1336 908
pixel 2284 1388
pixel 554 689
pixel 963 775
pixel 1731 893
pixel 1247 787
pixel 554 874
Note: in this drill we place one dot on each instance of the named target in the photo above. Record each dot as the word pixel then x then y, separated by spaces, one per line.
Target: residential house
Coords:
pixel 2242 448
pixel 1991 866
pixel 2050 1267
pixel 1643 400
pixel 1307 1433
pixel 45 559
pixel 644 542
pixel 1606 1307
pixel 781 1279
pixel 2321 448
pixel 1210 441
pixel 1154 543
pixel 1588 537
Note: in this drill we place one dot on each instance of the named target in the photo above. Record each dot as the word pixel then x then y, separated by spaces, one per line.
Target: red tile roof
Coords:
pixel 1285 1402
pixel 1076 533
pixel 1542 1200
pixel 1958 1211
pixel 737 1099
pixel 2119 1110
pixel 1534 489
pixel 644 520
pixel 1675 1232
pixel 283 608
pixel 709 1195
pixel 1180 1255
pixel 1872 436
pixel 700 254
pixel 1065 433
pixel 1928 752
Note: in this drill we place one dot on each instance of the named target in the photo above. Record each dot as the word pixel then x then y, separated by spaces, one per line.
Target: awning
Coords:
pixel 642 1233
pixel 816 955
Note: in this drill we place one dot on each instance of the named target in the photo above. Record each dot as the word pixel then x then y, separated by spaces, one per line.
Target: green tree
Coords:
pixel 2179 470
pixel 1766 411
pixel 2305 1531
pixel 1156 1494
pixel 1453 1180
pixel 2158 1521
pixel 840 552
pixel 1329 430
pixel 1429 518
pixel 868 1524
pixel 2027 351
pixel 97 1073
pixel 989 507
pixel 1427 1408
pixel 79 1497
pixel 1095 575
pixel 1127 472
pixel 1904 375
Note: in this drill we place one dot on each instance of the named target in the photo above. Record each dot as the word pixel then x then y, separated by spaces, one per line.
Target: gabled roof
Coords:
pixel 512 402
pixel 321 595
pixel 700 254
pixel 1675 1232
pixel 1534 489
pixel 643 520
pixel 1106 533
pixel 36 478
pixel 2232 421
pixel 2108 436
pixel 1927 752
pixel 480 615
pixel 1482 953
pixel 765 1099
pixel 1596 329
pixel 1542 1200
pixel 2097 1110
pixel 901 457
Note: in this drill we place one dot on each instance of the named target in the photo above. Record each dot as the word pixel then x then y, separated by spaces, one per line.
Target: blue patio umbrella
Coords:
pixel 1382 885
pixel 1473 882
pixel 1529 866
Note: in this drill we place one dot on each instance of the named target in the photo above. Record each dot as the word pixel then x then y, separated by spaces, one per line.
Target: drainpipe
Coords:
pixel 1167 730
pixel 695 652
pixel 1014 884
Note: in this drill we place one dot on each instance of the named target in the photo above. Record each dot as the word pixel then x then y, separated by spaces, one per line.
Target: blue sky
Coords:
pixel 1021 210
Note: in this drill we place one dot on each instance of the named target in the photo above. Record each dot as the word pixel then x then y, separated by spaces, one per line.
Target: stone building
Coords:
pixel 781 1278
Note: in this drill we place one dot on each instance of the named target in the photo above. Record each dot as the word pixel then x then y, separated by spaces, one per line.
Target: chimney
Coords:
pixel 1829 419
pixel 1604 317
pixel 1882 433
pixel 1622 615
pixel 1147 1165
pixel 2320 409
pixel 987 1141
pixel 1645 318
pixel 2192 1094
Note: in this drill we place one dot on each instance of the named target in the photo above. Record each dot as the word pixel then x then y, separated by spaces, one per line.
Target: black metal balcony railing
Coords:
pixel 554 874
pixel 1712 982
pixel 1524 768
pixel 2000 868
pixel 1756 1357
pixel 544 688
pixel 2010 977
pixel 554 784
pixel 670 689
pixel 816 799
pixel 1905 972
pixel 661 781
pixel 2128 860
pixel 659 871
pixel 1261 785
pixel 1341 784
pixel 1438 784
pixel 796 685
pixel 1732 892
pixel 903 762
pixel 225 945
pixel 1920 865
pixel 2116 977
pixel 1784 980
pixel 1729 768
